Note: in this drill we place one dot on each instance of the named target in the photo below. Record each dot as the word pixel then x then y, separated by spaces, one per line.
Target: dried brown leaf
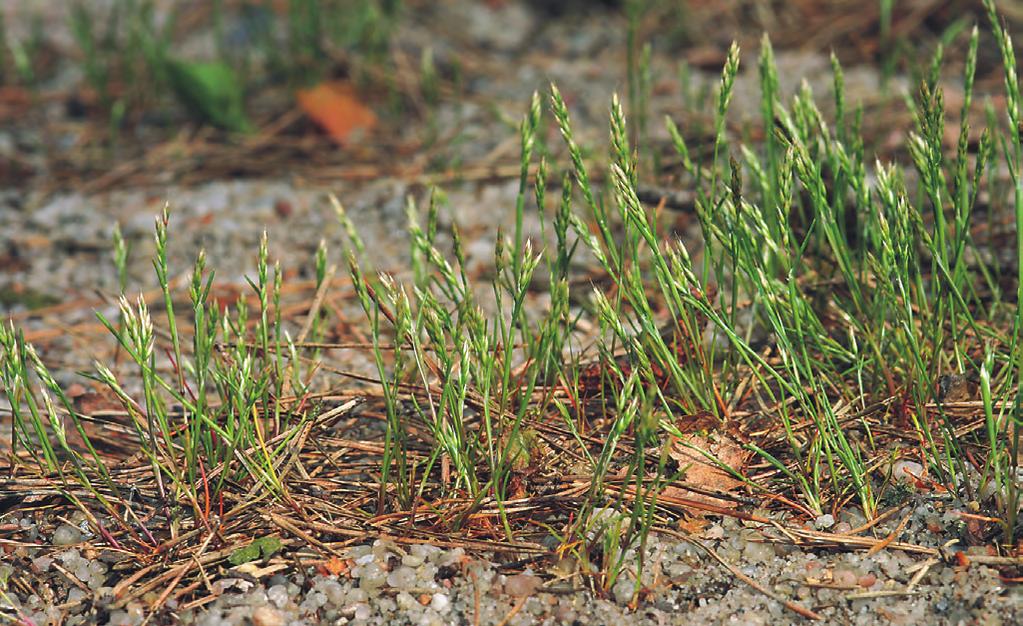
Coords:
pixel 707 474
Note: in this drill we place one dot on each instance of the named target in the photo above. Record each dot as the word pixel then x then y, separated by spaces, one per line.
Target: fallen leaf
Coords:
pixel 75 390
pixel 522 447
pixel 707 474
pixel 244 554
pixel 335 107
pixel 693 525
pixel 91 402
pixel 335 566
pixel 265 546
pixel 961 559
pixel 225 296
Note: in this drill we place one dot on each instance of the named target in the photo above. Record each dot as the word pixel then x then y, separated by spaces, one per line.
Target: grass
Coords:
pixel 830 297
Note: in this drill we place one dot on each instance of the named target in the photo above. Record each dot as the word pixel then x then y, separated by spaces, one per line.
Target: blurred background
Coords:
pixel 241 113
pixel 178 91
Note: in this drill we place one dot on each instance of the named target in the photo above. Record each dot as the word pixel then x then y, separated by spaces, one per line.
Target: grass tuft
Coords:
pixel 820 324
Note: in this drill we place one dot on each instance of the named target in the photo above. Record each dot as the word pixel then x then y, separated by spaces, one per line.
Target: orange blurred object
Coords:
pixel 336 108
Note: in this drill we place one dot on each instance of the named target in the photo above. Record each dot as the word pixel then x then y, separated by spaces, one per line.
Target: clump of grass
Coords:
pixel 902 304
pixel 828 301
pixel 200 427
pixel 121 61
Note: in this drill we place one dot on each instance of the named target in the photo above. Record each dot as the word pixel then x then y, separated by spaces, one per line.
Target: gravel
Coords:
pixel 390 583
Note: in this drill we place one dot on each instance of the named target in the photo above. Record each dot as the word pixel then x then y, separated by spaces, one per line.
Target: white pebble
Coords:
pixel 42 563
pixel 313 601
pixel 267 616
pixel 356 596
pixel 372 576
pixel 452 557
pixel 66 535
pixel 278 594
pixel 623 591
pixel 362 612
pixel 75 595
pixel 334 591
pixel 365 559
pixel 521 585
pixel 758 552
pixel 402 578
pixel 425 551
pixel 70 557
pixel 440 602
pixel 405 601
pixel 715 531
pixel 82 571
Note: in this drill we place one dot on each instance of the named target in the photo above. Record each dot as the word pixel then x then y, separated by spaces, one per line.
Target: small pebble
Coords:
pixel 402 578
pixel 565 613
pixel 42 563
pixel 440 602
pixel 405 601
pixel 372 577
pixel 356 595
pixel 521 585
pixel 82 571
pixel 906 472
pixel 758 551
pixel 716 531
pixel 623 591
pixel 267 616
pixel 66 535
pixel 278 594
pixel 363 612
pixel 283 208
pixel 334 591
pixel 844 577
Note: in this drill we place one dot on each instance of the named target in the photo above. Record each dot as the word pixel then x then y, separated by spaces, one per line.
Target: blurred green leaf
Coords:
pixel 268 545
pixel 212 91
pixel 265 546
pixel 244 555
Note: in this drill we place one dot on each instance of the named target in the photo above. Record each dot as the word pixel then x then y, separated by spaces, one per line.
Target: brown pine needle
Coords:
pixel 515 609
pixel 884 543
